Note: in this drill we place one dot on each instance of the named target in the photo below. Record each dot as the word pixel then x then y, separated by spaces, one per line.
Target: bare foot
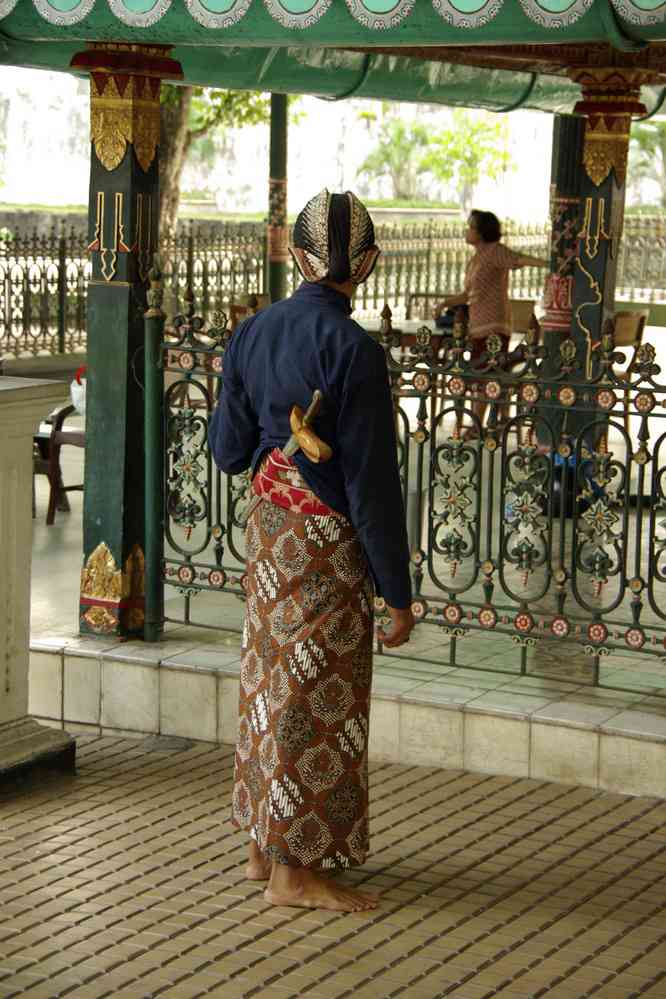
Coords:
pixel 258 872
pixel 258 868
pixel 307 890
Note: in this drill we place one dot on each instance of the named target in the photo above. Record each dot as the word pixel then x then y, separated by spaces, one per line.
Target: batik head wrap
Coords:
pixel 334 239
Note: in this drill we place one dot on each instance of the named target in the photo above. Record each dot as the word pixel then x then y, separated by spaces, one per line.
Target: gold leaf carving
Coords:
pixel 100 620
pixel 611 97
pixel 606 148
pixel 111 130
pixel 122 110
pixel 146 137
pixel 102 581
pixel 100 577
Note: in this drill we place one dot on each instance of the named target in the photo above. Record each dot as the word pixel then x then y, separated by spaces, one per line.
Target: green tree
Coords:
pixel 398 155
pixel 647 154
pixel 471 148
pixel 187 115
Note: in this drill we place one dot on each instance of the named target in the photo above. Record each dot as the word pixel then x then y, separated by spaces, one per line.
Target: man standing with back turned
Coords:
pixel 326 527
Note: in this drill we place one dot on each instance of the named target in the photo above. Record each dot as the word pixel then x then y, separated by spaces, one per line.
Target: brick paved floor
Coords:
pixel 127 880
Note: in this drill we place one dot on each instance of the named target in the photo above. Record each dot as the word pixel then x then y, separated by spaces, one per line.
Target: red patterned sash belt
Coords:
pixel 280 482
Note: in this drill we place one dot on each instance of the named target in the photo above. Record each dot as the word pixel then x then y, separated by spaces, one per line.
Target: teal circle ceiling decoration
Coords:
pixel 555 13
pixel 468 13
pixel 379 14
pixel 644 12
pixel 139 13
pixel 63 12
pixel 6 7
pixel 297 13
pixel 218 13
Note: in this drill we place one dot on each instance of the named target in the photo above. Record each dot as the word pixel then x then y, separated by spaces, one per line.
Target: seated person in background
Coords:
pixel 486 291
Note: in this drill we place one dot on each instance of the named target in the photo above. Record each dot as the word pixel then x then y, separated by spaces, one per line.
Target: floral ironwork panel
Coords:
pixel 535 495
pixel 544 518
pixel 204 547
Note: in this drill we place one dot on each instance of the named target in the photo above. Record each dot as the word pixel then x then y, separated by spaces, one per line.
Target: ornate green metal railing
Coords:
pixel 547 532
pixel 44 278
pixel 43 286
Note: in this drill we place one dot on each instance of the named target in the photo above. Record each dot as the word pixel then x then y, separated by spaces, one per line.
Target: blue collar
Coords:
pixel 322 294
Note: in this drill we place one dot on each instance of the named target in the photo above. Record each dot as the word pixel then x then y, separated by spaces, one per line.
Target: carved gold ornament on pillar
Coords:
pixel 124 109
pixel 108 593
pixel 125 84
pixel 611 97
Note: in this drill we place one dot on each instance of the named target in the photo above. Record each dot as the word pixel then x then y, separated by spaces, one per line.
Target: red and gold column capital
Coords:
pixel 610 99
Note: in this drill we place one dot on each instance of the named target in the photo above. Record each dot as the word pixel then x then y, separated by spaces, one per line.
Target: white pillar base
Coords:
pixel 24 402
pixel 25 742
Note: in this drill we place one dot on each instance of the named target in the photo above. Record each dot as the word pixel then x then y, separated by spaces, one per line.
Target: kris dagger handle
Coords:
pixel 293 444
pixel 313 408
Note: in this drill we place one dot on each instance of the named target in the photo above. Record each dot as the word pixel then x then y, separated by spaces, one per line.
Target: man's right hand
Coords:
pixel 402 622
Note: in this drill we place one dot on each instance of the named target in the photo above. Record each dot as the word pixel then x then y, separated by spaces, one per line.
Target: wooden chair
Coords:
pixel 58 439
pixel 522 314
pixel 522 318
pixel 40 462
pixel 629 327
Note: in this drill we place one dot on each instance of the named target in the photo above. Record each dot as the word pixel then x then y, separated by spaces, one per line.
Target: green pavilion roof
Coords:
pixel 340 48
pixel 333 22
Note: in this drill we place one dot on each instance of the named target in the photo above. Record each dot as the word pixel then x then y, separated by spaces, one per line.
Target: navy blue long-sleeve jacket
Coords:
pixel 276 360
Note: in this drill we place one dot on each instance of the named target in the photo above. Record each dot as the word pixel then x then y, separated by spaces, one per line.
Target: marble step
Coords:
pixel 422 714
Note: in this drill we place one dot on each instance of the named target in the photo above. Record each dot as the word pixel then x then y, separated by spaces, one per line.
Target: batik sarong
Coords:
pixel 301 785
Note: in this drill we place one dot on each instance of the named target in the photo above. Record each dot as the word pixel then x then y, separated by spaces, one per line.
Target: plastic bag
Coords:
pixel 78 394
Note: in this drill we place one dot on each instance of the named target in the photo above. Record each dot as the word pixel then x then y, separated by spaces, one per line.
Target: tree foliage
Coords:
pixel 190 114
pixel 470 148
pixel 398 155
pixel 647 154
pixel 457 155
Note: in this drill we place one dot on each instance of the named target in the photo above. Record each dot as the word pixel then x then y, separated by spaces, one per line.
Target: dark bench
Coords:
pixel 47 444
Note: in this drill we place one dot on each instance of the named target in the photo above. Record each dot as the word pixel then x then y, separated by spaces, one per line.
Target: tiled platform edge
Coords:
pixel 483 723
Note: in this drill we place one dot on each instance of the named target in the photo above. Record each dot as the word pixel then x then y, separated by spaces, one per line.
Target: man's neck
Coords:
pixel 347 288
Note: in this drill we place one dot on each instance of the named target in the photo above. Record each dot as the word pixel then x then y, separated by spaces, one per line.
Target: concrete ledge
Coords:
pixel 25 743
pixel 173 687
pixel 61 367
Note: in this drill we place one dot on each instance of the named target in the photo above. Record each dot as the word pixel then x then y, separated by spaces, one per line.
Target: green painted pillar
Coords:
pixel 610 98
pixel 588 177
pixel 557 324
pixel 565 183
pixel 278 233
pixel 123 237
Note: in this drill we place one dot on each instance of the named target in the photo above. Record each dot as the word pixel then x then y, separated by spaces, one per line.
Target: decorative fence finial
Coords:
pixel 155 293
pixel 386 324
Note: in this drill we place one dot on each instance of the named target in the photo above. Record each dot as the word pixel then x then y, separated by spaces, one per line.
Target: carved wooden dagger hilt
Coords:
pixel 303 438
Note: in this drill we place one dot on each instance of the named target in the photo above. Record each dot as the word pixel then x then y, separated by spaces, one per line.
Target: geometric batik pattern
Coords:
pixel 300 783
pixel 320 768
pixel 343 629
pixel 252 672
pixel 353 737
pixel 345 564
pixel 307 660
pixel 331 699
